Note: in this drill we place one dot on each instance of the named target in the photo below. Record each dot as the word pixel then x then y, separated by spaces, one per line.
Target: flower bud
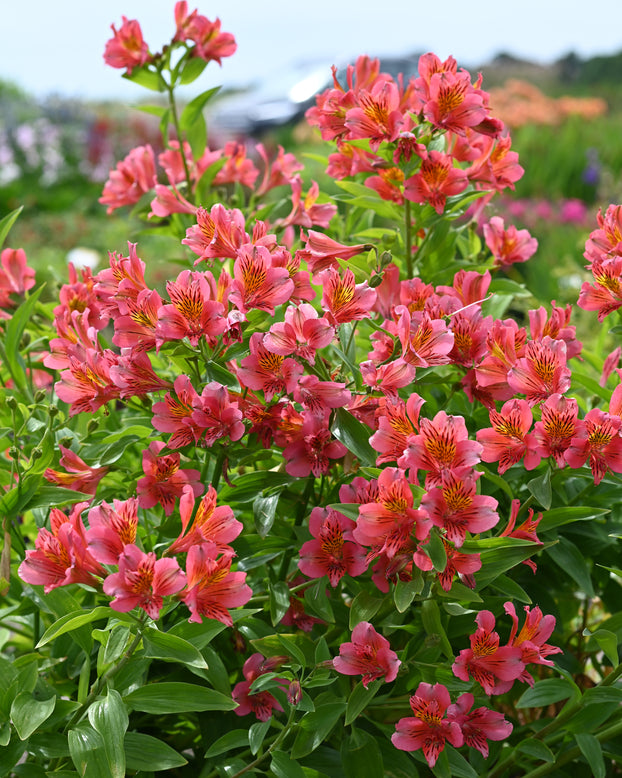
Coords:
pixel 11 402
pixel 13 452
pixel 52 410
pixel 40 395
pixel 37 453
pixel 294 693
pixel 92 426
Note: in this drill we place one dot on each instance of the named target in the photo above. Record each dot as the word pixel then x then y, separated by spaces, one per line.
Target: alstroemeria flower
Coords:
pixel 369 654
pixel 143 581
pixel 333 551
pixel 212 587
pixel 111 528
pixel 261 703
pixel 164 480
pixel 127 48
pixel 478 725
pixel 430 728
pixel 212 522
pixel 79 475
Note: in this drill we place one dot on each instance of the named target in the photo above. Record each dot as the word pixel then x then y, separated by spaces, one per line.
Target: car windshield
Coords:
pixel 298 83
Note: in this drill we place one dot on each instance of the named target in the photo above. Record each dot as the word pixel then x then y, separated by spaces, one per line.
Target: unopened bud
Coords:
pixel 66 441
pixel 40 396
pixel 375 280
pixel 52 410
pixel 13 452
pixel 92 426
pixel 11 402
pixel 37 453
pixel 25 341
pixel 294 693
pixel 385 259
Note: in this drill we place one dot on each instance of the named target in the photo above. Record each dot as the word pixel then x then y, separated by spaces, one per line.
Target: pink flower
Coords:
pixel 478 725
pixel 218 233
pixel 333 551
pixel 369 654
pixel 558 426
pixel 509 440
pixel 212 587
pixel 437 180
pixel 343 299
pixel 302 333
pixel 61 556
pixel 111 528
pixel 132 178
pixel 508 245
pixel 79 475
pixel 597 440
pixel 257 283
pixel 15 275
pixel 532 638
pixel 430 729
pixel 164 481
pixel 311 447
pixel 261 703
pixel 211 522
pixel 322 251
pixel 126 49
pixel 143 581
pixel 267 371
pixel 542 371
pixel 193 312
pixel 305 210
pixel 493 666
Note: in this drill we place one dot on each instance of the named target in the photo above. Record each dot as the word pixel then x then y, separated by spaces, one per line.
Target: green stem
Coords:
pixel 408 239
pixel 273 746
pixel 100 683
pixel 173 106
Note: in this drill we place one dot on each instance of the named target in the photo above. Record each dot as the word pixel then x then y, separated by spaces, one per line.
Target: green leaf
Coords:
pixel 607 641
pixel 360 698
pixel 284 766
pixel 360 756
pixel 593 753
pixel 27 713
pixel 557 517
pixel 247 487
pixel 317 601
pixel 171 648
pixel 571 560
pixel 264 511
pixel 435 549
pixel 72 621
pixel 354 435
pixel 172 697
pixel 54 497
pixel 88 752
pixel 537 749
pixel 192 122
pixel 364 607
pixel 116 643
pixel 144 752
pixel 192 70
pixel 540 487
pixel 256 734
pixel 279 601
pixel 293 650
pixel 315 727
pixel 7 222
pixel 150 79
pixel 349 509
pixel 509 588
pixel 154 110
pixel 545 693
pixel 12 337
pixel 237 738
pixel 405 592
pixel 109 718
pixel 431 618
pixel 458 765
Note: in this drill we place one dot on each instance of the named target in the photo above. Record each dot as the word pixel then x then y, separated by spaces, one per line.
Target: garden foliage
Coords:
pixel 342 498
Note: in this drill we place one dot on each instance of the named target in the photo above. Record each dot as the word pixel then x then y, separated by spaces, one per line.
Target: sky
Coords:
pixel 55 46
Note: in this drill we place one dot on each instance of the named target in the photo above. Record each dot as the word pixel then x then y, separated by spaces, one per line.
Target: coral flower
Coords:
pixel 508 440
pixel 164 481
pixel 79 475
pixel 510 245
pixel 193 311
pixel 111 528
pixel 302 333
pixel 478 725
pixel 542 370
pixel 343 299
pixel 267 371
pixel 131 179
pixel 212 587
pixel 218 233
pixel 558 425
pixel 322 251
pixel 396 422
pixel 261 703
pixel 442 444
pixel 493 666
pixel 430 729
pixel 333 551
pixel 437 180
pixel 532 638
pixel 61 556
pixel 257 283
pixel 211 522
pixel 597 440
pixel 369 654
pixel 15 275
pixel 143 581
pixel 127 48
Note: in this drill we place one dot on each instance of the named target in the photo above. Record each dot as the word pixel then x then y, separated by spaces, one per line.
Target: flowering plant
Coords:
pixel 274 518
